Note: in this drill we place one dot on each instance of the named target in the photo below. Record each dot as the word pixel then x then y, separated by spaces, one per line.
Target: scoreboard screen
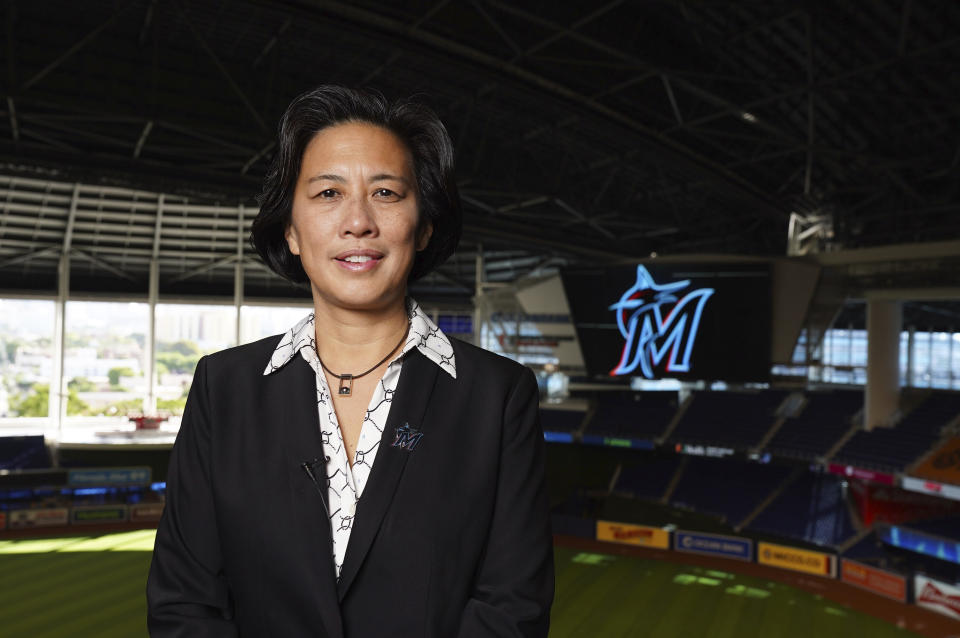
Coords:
pixel 697 321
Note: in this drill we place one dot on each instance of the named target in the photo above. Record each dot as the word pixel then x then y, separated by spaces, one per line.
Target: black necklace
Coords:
pixel 345 388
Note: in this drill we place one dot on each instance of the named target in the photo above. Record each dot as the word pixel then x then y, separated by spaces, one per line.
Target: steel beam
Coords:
pixel 84 41
pixel 223 70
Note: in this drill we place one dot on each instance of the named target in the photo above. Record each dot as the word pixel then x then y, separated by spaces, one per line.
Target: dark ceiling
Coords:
pixel 584 131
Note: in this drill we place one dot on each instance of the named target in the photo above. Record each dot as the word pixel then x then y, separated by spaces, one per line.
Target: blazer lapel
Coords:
pixel 300 426
pixel 417 378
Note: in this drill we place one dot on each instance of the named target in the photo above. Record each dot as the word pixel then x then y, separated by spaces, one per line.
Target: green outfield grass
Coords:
pixel 616 596
pixel 94 586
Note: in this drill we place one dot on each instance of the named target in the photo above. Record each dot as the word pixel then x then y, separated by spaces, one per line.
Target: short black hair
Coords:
pixel 414 123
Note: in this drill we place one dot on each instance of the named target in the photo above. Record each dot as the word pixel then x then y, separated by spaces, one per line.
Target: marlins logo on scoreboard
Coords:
pixel 653 321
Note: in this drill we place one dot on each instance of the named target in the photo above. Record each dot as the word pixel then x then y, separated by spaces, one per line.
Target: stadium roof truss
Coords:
pixel 139 130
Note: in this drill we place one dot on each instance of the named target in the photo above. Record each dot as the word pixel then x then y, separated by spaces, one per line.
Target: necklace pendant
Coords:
pixel 346 385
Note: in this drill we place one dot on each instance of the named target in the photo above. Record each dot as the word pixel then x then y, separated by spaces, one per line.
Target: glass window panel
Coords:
pixel 921 359
pixel 257 322
pixel 940 359
pixel 26 356
pixel 904 350
pixel 800 350
pixel 858 348
pixel 955 359
pixel 105 358
pixel 185 332
pixel 840 347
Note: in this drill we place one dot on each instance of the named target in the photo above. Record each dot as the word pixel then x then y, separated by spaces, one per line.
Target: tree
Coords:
pixel 184 347
pixel 114 375
pixel 177 362
pixel 37 403
pixel 12 347
pixel 81 384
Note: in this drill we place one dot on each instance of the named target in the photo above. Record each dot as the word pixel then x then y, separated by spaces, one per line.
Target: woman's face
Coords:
pixel 354 219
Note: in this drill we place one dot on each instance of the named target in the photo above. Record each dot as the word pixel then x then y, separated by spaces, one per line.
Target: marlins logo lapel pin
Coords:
pixel 407 437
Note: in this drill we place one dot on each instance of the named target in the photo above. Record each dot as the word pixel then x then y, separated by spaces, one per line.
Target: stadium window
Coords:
pixel 955 360
pixel 840 347
pixel 921 359
pixel 26 358
pixel 257 322
pixel 904 350
pixel 800 350
pixel 104 364
pixel 858 348
pixel 184 333
pixel 940 370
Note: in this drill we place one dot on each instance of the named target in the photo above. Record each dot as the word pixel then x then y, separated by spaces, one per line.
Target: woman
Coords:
pixel 362 474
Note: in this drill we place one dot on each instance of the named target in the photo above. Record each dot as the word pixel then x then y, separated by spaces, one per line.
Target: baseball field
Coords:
pixel 93 586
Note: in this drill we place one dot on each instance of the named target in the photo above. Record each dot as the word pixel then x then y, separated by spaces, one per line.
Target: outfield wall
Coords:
pixel 916 589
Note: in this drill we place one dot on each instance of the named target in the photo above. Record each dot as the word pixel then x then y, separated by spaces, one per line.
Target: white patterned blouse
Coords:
pixel 345 484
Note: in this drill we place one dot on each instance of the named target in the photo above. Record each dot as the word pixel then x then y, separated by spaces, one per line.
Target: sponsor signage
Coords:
pixel 145 512
pixel 713 545
pixel 641 535
pixel 704 450
pixel 874 580
pixel 86 514
pixel 798 560
pixel 109 476
pixel 936 595
pixel 860 473
pixel 612 441
pixel 557 437
pixel 943 465
pixel 925 486
pixel 49 517
pixel 920 542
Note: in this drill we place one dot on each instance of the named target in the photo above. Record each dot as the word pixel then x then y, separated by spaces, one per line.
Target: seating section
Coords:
pixel 726 487
pixel 636 415
pixel 649 478
pixel 811 508
pixel 23 453
pixel 868 549
pixel 561 420
pixel 730 419
pixel 893 449
pixel 825 418
pixel 948 527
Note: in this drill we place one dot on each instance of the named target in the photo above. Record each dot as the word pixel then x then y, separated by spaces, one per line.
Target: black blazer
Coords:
pixel 451 538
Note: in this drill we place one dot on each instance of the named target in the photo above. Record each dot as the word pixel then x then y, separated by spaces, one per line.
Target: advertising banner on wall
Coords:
pixel 936 595
pixel 145 512
pixel 92 514
pixel 49 517
pixel 100 477
pixel 874 580
pixel 935 488
pixel 943 465
pixel 641 535
pixel 3 520
pixel 850 471
pixel 713 545
pixel 798 560
pixel 884 504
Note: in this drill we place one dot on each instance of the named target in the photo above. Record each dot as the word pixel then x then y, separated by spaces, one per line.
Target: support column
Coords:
pixel 911 343
pixel 238 275
pixel 57 400
pixel 478 298
pixel 150 402
pixel 153 296
pixel 56 405
pixel 882 396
